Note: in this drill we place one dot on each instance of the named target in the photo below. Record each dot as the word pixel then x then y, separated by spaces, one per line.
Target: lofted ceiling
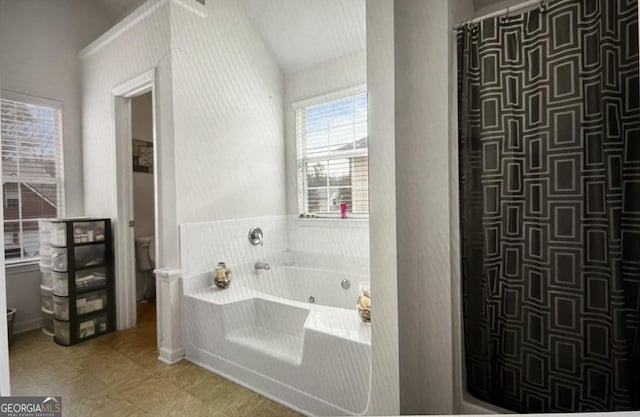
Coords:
pixel 115 10
pixel 303 33
pixel 300 33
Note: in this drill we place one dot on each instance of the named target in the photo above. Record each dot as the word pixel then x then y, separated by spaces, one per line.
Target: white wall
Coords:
pixel 411 80
pixel 130 50
pixel 385 383
pixel 228 102
pixel 421 145
pixel 331 76
pixel 39 40
pixel 331 243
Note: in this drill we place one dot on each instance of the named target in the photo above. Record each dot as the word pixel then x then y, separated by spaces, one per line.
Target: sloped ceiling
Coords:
pixel 115 10
pixel 300 33
pixel 303 33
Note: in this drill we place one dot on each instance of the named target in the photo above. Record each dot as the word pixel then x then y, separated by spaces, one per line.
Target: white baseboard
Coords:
pixel 23 326
pixel 171 357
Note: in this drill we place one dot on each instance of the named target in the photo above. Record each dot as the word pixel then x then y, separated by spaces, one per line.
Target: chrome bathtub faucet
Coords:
pixel 262 265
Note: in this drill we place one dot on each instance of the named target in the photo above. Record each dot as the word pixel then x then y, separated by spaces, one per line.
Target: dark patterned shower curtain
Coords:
pixel 550 207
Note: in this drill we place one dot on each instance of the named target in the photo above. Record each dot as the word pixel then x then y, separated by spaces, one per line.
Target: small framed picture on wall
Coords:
pixel 142 156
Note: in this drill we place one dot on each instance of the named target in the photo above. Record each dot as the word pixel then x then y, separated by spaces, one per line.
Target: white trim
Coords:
pixel 60 203
pixel 139 84
pixel 146 9
pixel 5 375
pixel 357 153
pixel 328 222
pixel 334 95
pixel 169 315
pixel 22 265
pixel 171 357
pixel 124 259
pixel 30 99
pixel 193 6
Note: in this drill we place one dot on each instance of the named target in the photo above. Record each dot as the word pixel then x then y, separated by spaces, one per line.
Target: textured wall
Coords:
pixel 39 41
pixel 228 102
pixel 143 46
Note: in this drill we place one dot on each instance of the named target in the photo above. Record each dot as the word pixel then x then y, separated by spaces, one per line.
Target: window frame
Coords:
pixel 301 177
pixel 19 180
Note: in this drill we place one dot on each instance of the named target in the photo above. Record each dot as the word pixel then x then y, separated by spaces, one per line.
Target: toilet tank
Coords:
pixel 144 247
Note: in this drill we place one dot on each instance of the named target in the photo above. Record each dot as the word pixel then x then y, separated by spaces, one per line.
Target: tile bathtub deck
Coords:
pixel 119 375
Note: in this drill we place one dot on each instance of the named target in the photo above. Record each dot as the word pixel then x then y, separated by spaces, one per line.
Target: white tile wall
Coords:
pixel 203 245
pixel 334 244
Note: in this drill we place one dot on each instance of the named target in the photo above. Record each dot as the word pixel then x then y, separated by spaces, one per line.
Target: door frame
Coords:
pixel 124 240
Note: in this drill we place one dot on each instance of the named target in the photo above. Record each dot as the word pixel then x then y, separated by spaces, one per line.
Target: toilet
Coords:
pixel 145 264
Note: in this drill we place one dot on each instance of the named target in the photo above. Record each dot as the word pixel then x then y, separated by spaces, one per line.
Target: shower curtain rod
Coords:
pixel 506 11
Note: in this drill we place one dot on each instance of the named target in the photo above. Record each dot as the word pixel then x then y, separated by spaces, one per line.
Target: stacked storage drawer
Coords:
pixel 46 286
pixel 81 279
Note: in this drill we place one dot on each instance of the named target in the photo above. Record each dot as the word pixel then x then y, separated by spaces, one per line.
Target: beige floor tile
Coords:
pixel 119 374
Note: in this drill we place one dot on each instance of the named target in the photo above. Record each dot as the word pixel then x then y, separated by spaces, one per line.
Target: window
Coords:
pixel 332 154
pixel 32 174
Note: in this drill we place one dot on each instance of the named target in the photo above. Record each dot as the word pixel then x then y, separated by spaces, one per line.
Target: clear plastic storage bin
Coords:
pixel 45 256
pixel 58 234
pixel 59 259
pixel 47 322
pixel 47 279
pixel 85 232
pixel 87 256
pixel 91 301
pixel 44 229
pixel 92 326
pixel 61 307
pixel 86 328
pixel 47 298
pixel 85 280
pixel 61 331
pixel 60 283
pixel 91 278
pixel 85 304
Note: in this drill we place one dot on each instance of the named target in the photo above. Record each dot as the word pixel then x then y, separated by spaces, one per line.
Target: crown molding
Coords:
pixel 146 9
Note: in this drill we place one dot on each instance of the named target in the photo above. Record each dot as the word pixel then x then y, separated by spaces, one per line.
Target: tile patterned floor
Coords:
pixel 119 375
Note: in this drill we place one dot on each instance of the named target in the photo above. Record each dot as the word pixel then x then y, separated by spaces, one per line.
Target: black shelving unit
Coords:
pixel 82 258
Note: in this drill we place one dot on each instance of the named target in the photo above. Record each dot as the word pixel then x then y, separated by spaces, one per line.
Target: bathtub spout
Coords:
pixel 262 265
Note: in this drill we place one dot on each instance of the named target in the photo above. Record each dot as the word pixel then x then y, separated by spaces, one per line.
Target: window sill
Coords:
pixel 22 266
pixel 352 223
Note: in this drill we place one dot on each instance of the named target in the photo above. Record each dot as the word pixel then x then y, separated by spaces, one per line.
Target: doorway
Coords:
pixel 135 225
pixel 143 195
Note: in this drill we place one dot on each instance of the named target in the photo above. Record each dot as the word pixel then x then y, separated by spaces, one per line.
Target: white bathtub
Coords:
pixel 263 333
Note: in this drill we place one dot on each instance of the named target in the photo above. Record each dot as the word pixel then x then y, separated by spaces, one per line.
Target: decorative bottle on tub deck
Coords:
pixel 222 276
pixel 364 302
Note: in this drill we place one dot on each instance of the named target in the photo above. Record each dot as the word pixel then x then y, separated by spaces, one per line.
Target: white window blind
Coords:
pixel 332 155
pixel 32 170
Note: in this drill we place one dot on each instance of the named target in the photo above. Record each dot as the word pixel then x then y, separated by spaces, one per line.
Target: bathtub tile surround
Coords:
pixel 203 245
pixel 335 244
pixel 291 333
